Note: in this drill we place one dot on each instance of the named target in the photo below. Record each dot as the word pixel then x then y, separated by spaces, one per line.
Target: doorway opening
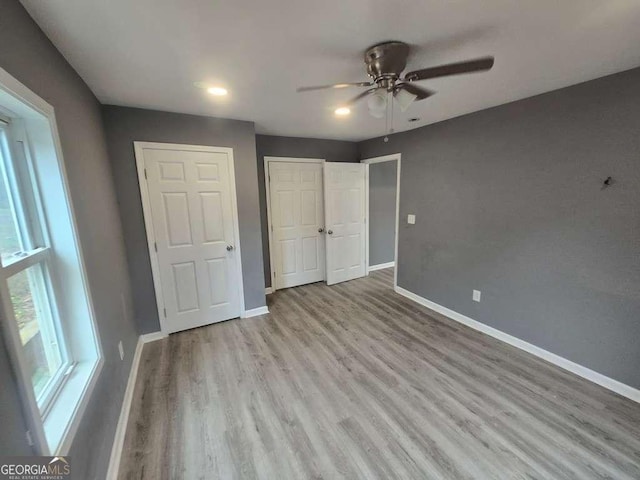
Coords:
pixel 383 211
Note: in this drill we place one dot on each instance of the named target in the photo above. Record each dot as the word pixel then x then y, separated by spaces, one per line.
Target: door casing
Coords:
pixel 385 158
pixel 148 219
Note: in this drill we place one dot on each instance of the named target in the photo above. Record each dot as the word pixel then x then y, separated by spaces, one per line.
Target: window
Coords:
pixel 45 306
pixel 25 269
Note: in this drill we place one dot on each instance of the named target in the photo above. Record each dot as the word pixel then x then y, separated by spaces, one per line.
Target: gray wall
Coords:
pixel 27 54
pixel 126 125
pixel 509 201
pixel 382 212
pixel 274 146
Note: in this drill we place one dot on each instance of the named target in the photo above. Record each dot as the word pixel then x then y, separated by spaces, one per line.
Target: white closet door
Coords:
pixel 190 198
pixel 297 219
pixel 344 193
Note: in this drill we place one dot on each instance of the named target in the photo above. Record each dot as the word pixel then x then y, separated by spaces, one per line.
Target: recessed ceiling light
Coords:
pixel 217 91
pixel 342 111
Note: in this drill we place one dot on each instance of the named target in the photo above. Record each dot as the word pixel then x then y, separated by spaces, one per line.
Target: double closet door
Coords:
pixel 316 220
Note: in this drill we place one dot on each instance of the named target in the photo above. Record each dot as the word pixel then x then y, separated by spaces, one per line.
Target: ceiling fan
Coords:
pixel 385 63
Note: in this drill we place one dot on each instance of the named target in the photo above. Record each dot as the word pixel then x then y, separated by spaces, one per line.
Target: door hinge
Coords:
pixel 165 313
pixel 155 245
pixel 29 438
pixel 145 173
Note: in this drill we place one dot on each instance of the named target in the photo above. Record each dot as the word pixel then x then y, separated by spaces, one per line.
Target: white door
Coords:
pixel 344 193
pixel 191 198
pixel 297 218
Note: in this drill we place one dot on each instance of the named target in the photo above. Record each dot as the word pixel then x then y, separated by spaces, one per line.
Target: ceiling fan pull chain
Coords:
pixel 388 127
pixel 389 112
pixel 391 103
pixel 386 120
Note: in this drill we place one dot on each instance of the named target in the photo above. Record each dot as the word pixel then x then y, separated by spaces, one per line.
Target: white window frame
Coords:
pixel 53 433
pixel 32 231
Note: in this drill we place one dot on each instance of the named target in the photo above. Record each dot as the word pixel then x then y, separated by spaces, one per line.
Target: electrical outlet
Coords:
pixel 476 295
pixel 121 350
pixel 411 219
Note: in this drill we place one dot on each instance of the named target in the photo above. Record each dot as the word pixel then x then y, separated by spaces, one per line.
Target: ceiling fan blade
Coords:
pixel 420 92
pixel 335 85
pixel 360 96
pixel 470 66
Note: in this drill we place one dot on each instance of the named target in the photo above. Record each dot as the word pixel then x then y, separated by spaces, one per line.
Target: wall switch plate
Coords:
pixel 411 219
pixel 121 350
pixel 476 295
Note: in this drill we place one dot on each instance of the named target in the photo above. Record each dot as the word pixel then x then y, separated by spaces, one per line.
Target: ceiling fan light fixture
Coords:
pixel 376 113
pixel 342 111
pixel 377 103
pixel 404 99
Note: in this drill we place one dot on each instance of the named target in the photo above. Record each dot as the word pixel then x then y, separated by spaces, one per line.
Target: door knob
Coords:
pixel 229 248
pixel 320 230
pixel 330 232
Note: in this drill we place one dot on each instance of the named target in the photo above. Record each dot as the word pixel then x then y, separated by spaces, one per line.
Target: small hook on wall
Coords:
pixel 607 183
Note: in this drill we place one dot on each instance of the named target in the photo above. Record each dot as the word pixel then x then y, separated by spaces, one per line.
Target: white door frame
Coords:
pixel 148 219
pixel 267 189
pixel 369 161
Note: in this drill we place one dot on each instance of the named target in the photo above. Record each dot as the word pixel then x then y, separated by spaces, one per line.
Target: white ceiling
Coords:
pixel 148 53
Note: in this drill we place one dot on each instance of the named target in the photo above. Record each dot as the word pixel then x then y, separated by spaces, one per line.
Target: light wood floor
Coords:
pixel 355 381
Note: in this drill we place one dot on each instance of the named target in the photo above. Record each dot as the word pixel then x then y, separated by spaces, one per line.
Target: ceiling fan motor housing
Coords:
pixel 386 61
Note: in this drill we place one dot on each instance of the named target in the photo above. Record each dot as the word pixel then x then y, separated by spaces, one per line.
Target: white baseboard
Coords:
pixel 380 266
pixel 254 312
pixel 121 428
pixel 584 372
pixel 152 337
pixel 268 291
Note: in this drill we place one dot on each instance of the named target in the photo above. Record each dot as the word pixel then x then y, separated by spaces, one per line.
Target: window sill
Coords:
pixel 65 414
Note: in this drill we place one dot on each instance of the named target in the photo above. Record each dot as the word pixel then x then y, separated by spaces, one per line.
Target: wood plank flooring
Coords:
pixel 355 381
